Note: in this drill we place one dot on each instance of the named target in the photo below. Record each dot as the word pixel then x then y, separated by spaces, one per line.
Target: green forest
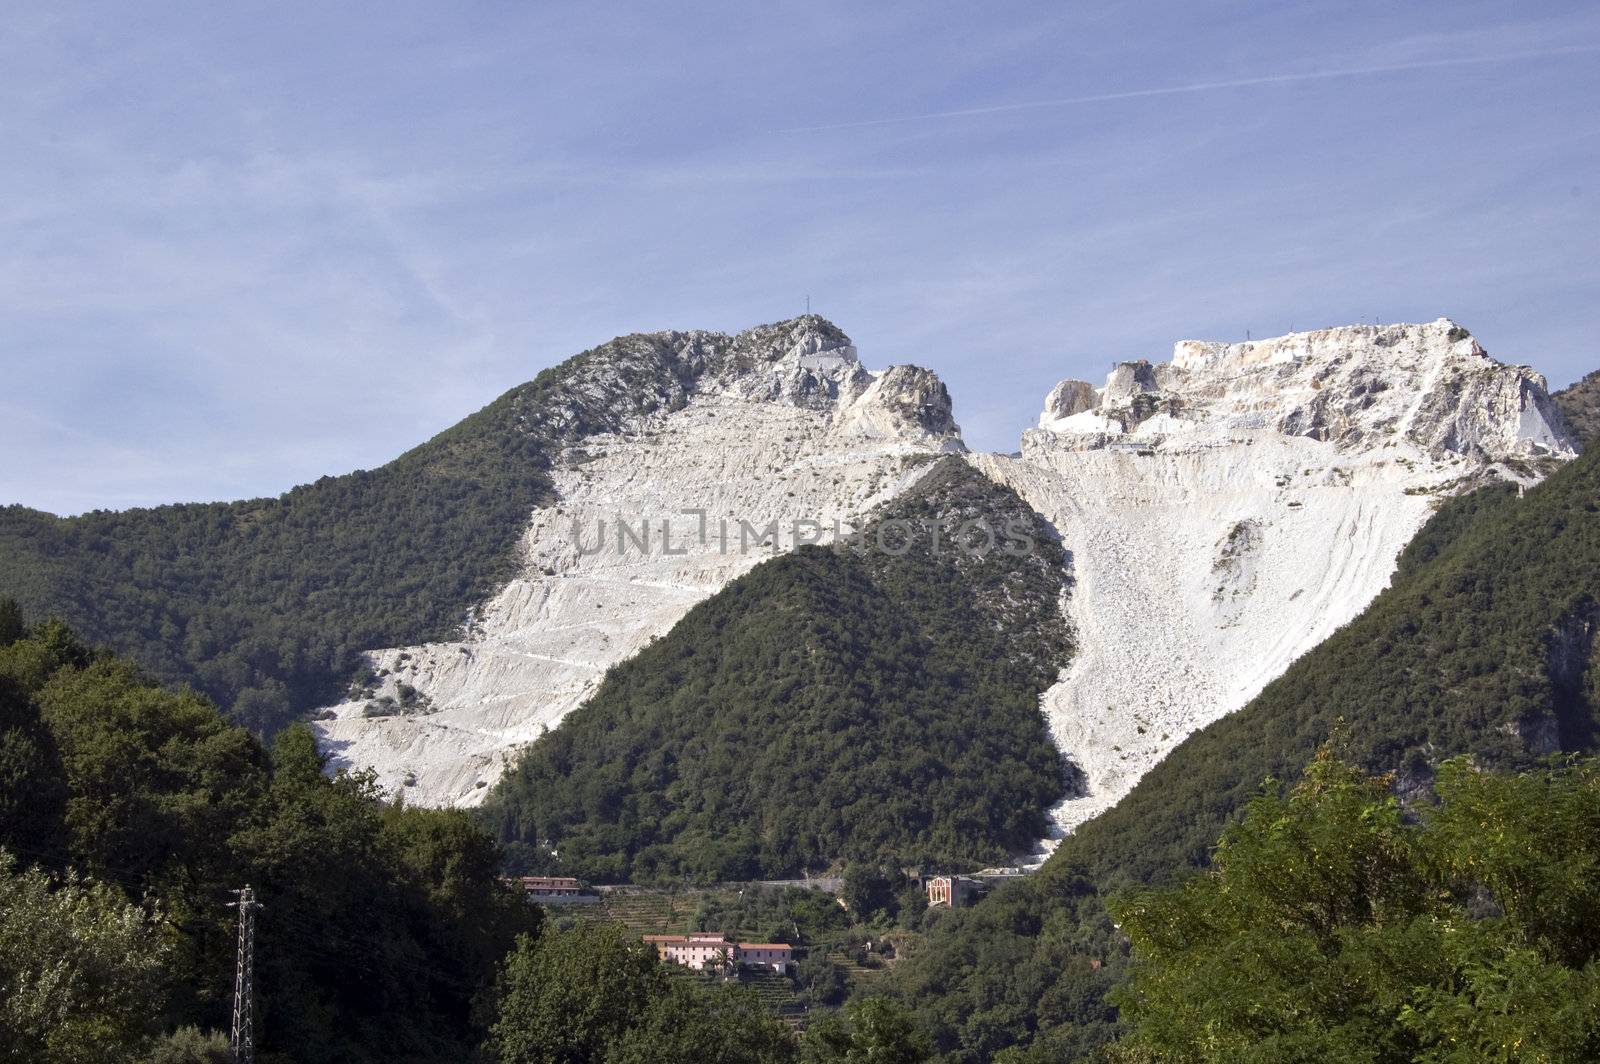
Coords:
pixel 1580 405
pixel 129 812
pixel 1482 645
pixel 831 704
pixel 1449 910
pixel 129 815
pixel 265 605
pixel 1337 923
pixel 594 994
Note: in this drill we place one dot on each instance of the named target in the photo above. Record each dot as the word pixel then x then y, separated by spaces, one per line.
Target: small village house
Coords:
pixel 553 890
pixel 714 950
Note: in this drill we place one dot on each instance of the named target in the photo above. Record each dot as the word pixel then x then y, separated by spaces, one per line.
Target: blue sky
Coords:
pixel 244 245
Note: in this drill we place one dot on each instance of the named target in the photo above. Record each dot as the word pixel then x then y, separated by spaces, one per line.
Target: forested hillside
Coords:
pixel 265 604
pixel 1580 405
pixel 139 809
pixel 832 703
pixel 129 815
pixel 1483 645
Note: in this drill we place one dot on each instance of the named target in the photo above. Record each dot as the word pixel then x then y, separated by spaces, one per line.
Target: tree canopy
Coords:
pixel 1580 405
pixel 1333 927
pixel 130 812
pixel 595 994
pixel 81 969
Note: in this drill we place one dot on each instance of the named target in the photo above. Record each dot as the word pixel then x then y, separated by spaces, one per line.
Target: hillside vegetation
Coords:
pixel 264 605
pixel 1580 405
pixel 1333 926
pixel 131 813
pixel 128 815
pixel 830 704
pixel 1483 645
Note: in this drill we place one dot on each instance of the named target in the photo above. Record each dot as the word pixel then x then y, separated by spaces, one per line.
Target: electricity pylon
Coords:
pixel 243 1039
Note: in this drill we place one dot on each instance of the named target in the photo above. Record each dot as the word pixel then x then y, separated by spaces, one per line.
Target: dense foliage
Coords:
pixel 140 809
pixel 801 916
pixel 832 703
pixel 79 969
pixel 1482 645
pixel 1580 404
pixel 264 605
pixel 1332 927
pixel 595 994
pixel 868 1031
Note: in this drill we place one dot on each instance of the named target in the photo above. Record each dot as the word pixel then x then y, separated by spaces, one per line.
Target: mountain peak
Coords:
pixel 810 362
pixel 812 332
pixel 809 343
pixel 1438 338
pixel 632 381
pixel 1429 385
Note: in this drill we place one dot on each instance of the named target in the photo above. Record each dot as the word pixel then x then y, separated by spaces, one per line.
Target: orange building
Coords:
pixel 693 951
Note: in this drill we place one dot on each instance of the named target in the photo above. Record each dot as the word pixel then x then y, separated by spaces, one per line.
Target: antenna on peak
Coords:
pixel 808 304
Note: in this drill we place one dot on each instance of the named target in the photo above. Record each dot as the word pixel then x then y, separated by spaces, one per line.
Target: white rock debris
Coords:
pixel 1228 510
pixel 784 426
pixel 1225 512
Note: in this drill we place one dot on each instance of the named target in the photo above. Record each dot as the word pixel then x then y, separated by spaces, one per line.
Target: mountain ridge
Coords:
pixel 1580 403
pixel 269 605
pixel 779 428
pixel 453 584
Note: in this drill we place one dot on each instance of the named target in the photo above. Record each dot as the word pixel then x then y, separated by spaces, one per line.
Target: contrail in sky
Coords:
pixel 1206 86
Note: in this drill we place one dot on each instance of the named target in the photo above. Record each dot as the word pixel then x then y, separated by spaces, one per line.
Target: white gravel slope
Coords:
pixel 811 436
pixel 1214 542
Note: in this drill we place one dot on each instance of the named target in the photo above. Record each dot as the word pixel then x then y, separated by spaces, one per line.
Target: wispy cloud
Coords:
pixel 1203 87
pixel 238 252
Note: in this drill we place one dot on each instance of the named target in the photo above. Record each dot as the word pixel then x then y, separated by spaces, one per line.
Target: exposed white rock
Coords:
pixel 1068 398
pixel 779 424
pixel 1226 511
pixel 1230 509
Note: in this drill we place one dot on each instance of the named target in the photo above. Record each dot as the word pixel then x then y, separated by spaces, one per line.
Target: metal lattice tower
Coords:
pixel 243 1040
